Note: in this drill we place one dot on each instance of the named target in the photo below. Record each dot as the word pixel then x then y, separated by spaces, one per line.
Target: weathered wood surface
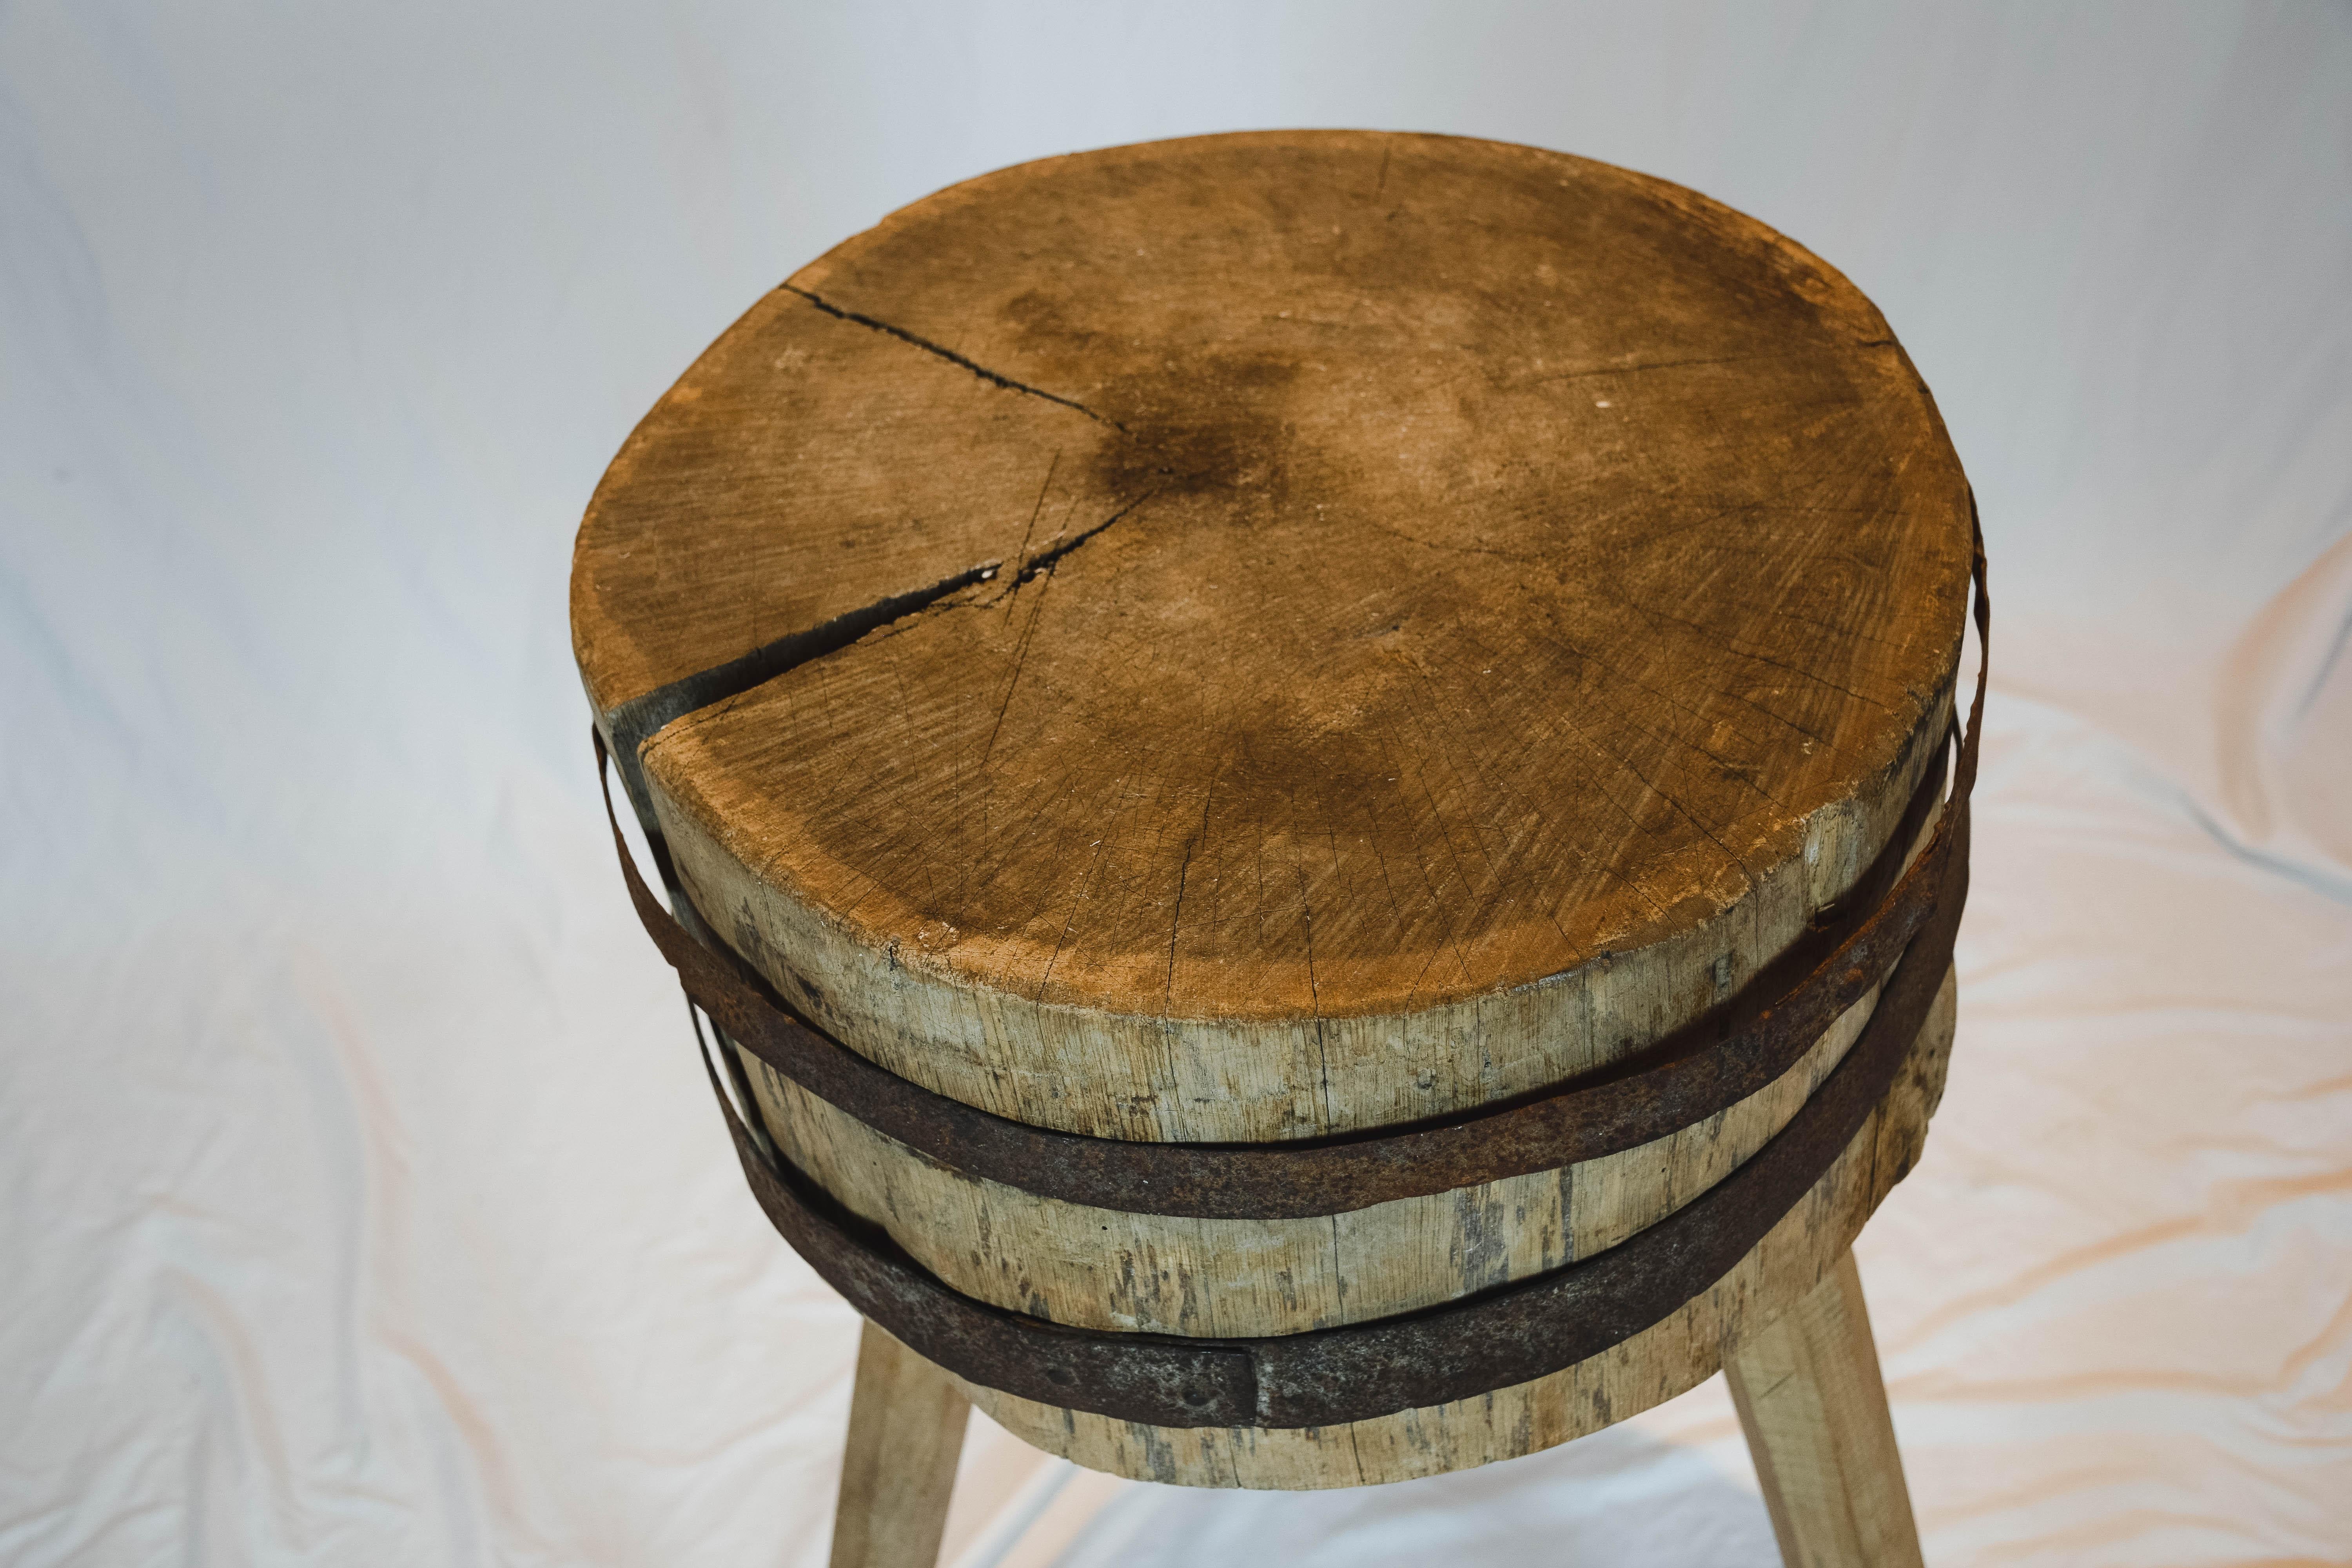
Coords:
pixel 1675 1354
pixel 907 1421
pixel 1263 637
pixel 1814 1410
pixel 1101 1268
pixel 1453 612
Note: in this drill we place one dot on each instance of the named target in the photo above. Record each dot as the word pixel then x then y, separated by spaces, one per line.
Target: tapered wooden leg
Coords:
pixel 906 1431
pixel 1814 1411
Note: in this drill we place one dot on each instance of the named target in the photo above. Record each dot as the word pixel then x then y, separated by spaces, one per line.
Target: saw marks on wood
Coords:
pixel 1377 624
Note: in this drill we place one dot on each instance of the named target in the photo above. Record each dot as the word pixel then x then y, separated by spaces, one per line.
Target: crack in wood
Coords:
pixel 994 378
pixel 635 723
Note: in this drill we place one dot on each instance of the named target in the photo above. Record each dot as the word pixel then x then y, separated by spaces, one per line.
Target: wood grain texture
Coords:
pixel 1461 609
pixel 1664 1360
pixel 907 1421
pixel 1814 1410
pixel 1101 1268
pixel 1104 1268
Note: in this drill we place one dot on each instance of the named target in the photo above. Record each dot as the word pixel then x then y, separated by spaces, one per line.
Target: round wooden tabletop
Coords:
pixel 1258 636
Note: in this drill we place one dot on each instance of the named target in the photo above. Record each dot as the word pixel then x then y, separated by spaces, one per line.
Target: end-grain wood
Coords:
pixel 1451 612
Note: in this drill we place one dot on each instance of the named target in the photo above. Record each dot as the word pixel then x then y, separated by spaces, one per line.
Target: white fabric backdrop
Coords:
pixel 362 1202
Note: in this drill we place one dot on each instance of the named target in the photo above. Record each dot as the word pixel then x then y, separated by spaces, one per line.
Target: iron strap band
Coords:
pixel 1508 1336
pixel 1511 1335
pixel 1670 1084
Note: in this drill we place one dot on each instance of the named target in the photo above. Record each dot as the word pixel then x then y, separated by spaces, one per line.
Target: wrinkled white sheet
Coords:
pixel 362 1202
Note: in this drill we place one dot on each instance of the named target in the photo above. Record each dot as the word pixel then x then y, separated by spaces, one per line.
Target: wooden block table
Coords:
pixel 1307 777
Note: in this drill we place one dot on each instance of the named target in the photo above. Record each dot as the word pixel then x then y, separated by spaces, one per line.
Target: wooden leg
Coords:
pixel 1814 1411
pixel 906 1431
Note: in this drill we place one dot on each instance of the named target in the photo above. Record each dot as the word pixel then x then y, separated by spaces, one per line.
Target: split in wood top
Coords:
pixel 1259 636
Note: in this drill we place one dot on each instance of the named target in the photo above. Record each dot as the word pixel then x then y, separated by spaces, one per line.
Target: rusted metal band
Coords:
pixel 1673 1084
pixel 1513 1335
